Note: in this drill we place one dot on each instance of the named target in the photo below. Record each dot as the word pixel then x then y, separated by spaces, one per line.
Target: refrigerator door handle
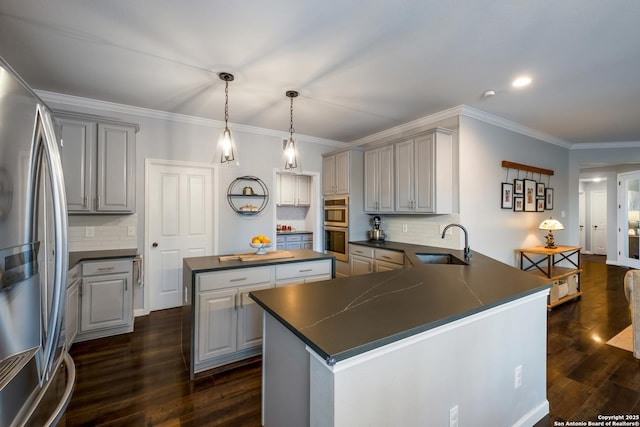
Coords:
pixel 43 149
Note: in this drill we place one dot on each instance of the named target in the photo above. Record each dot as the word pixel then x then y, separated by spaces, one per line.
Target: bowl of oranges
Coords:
pixel 260 242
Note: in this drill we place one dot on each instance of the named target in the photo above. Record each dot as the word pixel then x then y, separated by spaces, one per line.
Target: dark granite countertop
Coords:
pixel 76 257
pixel 213 263
pixel 348 316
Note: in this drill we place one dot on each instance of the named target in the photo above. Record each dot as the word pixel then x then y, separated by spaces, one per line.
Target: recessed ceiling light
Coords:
pixel 521 81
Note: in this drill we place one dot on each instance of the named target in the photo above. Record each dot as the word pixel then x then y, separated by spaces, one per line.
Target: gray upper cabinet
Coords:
pixel 378 180
pixel 335 174
pixel 423 173
pixel 99 165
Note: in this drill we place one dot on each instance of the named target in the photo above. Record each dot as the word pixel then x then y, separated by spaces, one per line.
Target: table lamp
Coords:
pixel 551 224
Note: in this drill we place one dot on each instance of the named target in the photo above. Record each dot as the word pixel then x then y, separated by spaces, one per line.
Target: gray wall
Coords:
pixel 494 231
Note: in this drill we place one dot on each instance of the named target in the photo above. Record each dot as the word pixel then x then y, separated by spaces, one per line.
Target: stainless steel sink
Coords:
pixel 440 259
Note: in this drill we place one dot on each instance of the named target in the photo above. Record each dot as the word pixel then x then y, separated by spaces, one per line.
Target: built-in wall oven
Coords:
pixel 336 211
pixel 336 227
pixel 336 242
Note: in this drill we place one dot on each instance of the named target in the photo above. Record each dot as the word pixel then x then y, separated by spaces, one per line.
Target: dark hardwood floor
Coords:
pixel 140 379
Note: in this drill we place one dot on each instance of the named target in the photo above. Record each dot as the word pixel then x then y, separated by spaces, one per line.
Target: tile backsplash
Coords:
pixel 421 229
pixel 100 232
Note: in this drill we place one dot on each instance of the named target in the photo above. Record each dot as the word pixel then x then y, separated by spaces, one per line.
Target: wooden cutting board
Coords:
pixel 252 256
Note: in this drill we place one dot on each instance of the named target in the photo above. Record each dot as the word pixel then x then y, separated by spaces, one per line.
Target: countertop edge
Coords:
pixel 76 257
pixel 213 264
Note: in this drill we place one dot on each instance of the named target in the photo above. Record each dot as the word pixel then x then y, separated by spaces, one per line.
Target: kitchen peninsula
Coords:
pixel 220 323
pixel 420 346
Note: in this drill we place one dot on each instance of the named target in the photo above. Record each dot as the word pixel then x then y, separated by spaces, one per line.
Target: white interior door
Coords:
pixel 179 211
pixel 599 222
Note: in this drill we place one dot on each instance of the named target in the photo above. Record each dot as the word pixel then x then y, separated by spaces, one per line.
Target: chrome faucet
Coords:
pixel 467 250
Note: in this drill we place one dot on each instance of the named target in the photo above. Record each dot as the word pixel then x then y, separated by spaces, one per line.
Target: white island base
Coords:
pixel 465 369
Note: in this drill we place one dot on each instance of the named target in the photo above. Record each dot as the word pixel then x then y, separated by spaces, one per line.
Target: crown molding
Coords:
pixel 460 110
pixel 599 145
pixel 407 128
pixel 474 113
pixel 111 107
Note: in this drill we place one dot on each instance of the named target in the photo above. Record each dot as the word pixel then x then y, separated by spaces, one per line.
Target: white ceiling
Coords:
pixel 361 66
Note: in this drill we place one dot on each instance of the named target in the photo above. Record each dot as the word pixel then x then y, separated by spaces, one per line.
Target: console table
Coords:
pixel 543 262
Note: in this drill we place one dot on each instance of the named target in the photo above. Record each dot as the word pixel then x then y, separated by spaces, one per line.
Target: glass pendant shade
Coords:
pixel 290 155
pixel 226 144
pixel 290 152
pixel 226 147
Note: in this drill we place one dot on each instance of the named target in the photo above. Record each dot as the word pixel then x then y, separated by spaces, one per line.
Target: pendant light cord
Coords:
pixel 226 104
pixel 291 129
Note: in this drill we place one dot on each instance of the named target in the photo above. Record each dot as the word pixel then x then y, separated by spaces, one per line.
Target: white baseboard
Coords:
pixel 534 415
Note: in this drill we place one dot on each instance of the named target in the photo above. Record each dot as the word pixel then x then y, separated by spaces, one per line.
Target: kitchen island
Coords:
pixel 413 347
pixel 221 325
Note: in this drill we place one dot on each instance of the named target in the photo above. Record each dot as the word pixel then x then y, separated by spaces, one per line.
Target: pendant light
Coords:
pixel 290 152
pixel 226 143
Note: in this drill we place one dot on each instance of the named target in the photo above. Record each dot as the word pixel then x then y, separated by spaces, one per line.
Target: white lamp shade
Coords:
pixel 551 224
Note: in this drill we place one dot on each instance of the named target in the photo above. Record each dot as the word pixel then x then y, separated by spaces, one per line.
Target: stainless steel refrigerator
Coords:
pixel 37 374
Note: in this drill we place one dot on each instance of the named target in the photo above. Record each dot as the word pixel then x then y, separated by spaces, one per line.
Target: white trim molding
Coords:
pixel 95 104
pixel 462 110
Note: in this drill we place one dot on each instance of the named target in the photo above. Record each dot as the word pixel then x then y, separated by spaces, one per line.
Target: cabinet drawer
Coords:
pixel 389 256
pixel 106 267
pixel 361 250
pixel 234 278
pixel 303 269
pixel 294 238
pixel 307 237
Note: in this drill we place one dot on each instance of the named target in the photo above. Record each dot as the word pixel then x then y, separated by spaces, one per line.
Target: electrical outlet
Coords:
pixel 88 232
pixel 131 230
pixel 518 377
pixel 404 228
pixel 453 416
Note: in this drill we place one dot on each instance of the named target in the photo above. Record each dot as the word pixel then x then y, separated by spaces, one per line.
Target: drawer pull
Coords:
pixel 386 256
pixel 305 270
pixel 105 268
pixel 239 279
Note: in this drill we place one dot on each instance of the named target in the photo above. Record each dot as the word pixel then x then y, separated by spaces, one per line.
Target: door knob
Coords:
pixel 155 244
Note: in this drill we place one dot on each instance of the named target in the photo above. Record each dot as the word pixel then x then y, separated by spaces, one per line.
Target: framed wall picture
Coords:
pixel 540 190
pixel 518 187
pixel 548 198
pixel 507 196
pixel 518 203
pixel 529 195
pixel 540 205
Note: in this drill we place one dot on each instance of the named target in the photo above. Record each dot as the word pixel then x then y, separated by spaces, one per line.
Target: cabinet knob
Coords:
pixel 154 244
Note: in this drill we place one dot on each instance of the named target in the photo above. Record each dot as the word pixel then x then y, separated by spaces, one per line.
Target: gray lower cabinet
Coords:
pixel 98 164
pixel 228 323
pixel 106 298
pixel 365 259
pixel 303 272
pixel 295 241
pixel 71 308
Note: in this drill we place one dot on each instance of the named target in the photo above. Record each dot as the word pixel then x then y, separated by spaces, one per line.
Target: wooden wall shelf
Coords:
pixel 519 166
